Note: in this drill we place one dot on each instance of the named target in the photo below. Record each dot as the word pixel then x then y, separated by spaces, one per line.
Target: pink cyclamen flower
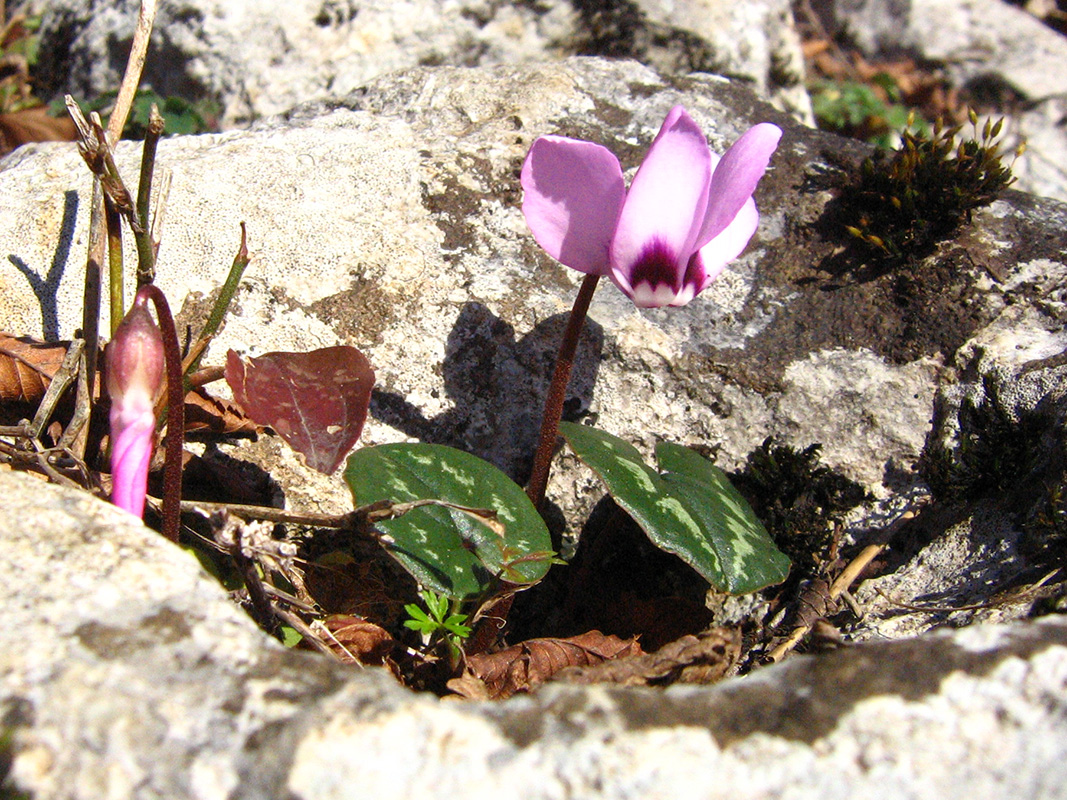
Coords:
pixel 687 214
pixel 134 375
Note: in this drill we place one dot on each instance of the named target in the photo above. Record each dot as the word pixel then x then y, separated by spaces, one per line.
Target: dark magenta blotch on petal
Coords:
pixel 695 274
pixel 657 266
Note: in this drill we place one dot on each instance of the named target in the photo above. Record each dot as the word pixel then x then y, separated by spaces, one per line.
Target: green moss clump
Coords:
pixel 908 199
pixel 994 451
pixel 799 500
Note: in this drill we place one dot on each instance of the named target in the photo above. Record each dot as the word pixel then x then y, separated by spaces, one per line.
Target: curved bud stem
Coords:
pixel 172 469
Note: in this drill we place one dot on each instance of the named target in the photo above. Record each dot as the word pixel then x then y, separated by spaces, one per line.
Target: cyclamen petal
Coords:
pixel 653 280
pixel 664 209
pixel 134 360
pixel 735 178
pixel 729 244
pixel 131 453
pixel 573 191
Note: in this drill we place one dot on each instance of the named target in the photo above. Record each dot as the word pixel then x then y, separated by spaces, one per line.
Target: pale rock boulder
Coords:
pixel 259 59
pixel 391 222
pixel 125 672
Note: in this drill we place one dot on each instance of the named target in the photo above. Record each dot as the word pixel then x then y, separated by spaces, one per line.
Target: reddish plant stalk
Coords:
pixel 487 631
pixel 557 392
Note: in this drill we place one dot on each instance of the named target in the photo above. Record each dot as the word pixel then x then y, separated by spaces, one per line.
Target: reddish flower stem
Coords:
pixel 557 392
pixel 172 463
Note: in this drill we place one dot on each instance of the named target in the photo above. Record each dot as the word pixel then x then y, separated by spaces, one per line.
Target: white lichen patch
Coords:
pixel 1020 334
pixel 1045 277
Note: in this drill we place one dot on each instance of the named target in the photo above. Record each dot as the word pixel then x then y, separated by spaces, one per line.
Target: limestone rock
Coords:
pixel 996 458
pixel 391 222
pixel 262 58
pixel 125 672
pixel 975 40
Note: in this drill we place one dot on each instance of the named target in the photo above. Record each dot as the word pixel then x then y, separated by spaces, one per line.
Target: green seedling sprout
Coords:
pixel 441 623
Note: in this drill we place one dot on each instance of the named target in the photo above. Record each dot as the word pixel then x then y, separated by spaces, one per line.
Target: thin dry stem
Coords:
pixel 839 587
pixel 134 66
pixel 93 281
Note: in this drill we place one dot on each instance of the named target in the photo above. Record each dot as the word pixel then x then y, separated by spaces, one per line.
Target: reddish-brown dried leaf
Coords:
pixel 523 667
pixel 206 413
pixel 33 125
pixel 27 367
pixel 356 640
pixel 360 581
pixel 704 658
pixel 316 401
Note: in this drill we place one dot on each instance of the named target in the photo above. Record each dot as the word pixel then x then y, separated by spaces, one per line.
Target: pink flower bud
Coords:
pixel 134 376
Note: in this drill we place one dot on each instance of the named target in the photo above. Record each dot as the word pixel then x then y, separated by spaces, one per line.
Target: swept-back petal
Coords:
pixel 712 258
pixel 665 205
pixel 655 281
pixel 573 191
pixel 735 177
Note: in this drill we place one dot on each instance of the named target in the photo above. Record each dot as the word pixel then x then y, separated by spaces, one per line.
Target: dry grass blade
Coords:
pixel 815 600
pixel 134 67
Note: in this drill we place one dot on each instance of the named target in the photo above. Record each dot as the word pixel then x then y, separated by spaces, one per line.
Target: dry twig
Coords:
pixel 839 587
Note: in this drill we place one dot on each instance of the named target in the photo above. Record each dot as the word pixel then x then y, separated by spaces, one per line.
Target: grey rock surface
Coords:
pixel 997 448
pixel 993 49
pixel 125 672
pixel 262 58
pixel 390 220
pixel 392 223
pixel 974 39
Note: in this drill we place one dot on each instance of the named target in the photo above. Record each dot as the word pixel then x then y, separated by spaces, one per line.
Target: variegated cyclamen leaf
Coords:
pixel 747 555
pixel 690 509
pixel 447 550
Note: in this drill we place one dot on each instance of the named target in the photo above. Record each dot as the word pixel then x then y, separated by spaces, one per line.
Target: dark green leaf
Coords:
pixel 445 549
pixel 690 510
pixel 747 554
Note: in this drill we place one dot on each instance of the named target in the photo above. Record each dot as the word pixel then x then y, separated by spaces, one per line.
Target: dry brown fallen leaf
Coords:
pixel 705 658
pixel 524 666
pixel 356 640
pixel 213 415
pixel 33 125
pixel 27 366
